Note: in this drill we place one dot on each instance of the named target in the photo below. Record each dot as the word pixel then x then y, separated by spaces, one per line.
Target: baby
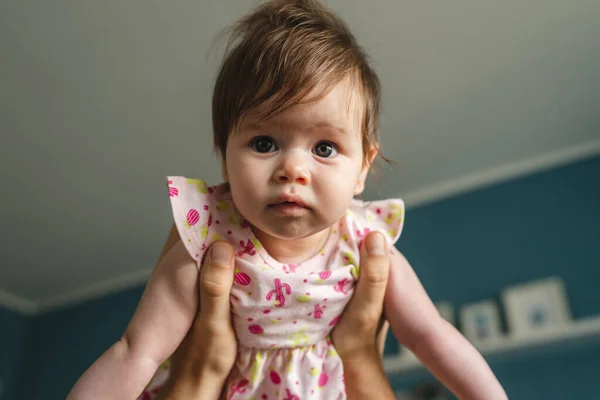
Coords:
pixel 295 119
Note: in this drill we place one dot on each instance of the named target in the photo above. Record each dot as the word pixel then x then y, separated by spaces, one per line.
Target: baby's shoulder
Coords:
pixel 202 213
pixel 386 216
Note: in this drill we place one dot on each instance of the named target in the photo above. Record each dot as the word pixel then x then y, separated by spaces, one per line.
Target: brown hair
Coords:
pixel 281 52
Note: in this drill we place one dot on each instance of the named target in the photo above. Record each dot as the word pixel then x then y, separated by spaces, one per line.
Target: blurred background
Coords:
pixel 491 114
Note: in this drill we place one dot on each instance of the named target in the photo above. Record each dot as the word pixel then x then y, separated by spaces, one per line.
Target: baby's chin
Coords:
pixel 290 230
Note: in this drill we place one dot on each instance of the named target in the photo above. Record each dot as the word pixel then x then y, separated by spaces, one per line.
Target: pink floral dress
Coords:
pixel 282 313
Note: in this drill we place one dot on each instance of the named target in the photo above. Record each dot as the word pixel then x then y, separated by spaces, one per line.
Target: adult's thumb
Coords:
pixel 216 279
pixel 374 272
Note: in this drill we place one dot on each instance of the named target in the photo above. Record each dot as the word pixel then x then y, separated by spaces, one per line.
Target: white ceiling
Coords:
pixel 102 99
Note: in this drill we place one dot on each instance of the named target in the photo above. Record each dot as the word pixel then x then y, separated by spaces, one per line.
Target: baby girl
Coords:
pixel 295 120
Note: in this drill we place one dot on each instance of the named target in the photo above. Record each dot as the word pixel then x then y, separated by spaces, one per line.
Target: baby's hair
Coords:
pixel 281 52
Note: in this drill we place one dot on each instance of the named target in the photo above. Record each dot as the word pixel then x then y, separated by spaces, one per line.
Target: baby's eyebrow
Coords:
pixel 326 125
pixel 250 126
pixel 274 125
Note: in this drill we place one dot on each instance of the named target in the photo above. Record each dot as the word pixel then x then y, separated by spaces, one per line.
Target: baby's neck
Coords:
pixel 293 251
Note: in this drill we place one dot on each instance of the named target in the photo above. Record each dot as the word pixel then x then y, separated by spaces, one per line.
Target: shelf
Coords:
pixel 576 333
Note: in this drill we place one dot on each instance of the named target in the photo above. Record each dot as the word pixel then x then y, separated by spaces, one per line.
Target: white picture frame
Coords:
pixel 480 321
pixel 534 306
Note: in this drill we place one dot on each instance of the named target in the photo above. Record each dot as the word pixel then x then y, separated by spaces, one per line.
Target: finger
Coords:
pixel 366 305
pixel 216 279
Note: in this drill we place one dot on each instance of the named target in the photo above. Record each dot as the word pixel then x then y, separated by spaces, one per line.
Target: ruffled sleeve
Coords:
pixel 191 202
pixel 385 216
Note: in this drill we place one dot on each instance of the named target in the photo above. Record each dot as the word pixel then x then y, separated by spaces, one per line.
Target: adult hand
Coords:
pixel 202 362
pixel 355 335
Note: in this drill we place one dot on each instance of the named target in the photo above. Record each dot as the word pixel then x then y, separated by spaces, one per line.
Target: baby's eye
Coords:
pixel 325 149
pixel 264 144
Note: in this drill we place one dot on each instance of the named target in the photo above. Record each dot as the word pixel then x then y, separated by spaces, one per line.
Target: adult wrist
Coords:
pixel 358 360
pixel 359 353
pixel 365 377
pixel 204 384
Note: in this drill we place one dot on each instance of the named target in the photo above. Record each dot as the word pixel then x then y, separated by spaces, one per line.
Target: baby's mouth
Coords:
pixel 289 200
pixel 287 204
pixel 288 208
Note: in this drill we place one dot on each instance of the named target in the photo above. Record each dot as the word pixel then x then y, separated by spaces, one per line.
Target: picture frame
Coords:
pixel 480 321
pixel 534 306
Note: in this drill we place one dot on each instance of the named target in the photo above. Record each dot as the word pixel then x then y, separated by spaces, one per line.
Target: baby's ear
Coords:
pixel 362 177
pixel 224 173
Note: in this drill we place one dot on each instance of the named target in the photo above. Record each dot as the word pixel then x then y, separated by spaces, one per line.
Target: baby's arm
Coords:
pixel 416 323
pixel 161 321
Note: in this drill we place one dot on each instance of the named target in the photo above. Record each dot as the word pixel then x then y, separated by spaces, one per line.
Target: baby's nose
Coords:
pixel 293 169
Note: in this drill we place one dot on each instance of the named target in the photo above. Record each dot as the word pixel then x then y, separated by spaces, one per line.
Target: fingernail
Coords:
pixel 220 254
pixel 375 244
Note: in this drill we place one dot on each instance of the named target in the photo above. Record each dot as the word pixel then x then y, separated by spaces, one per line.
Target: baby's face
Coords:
pixel 295 174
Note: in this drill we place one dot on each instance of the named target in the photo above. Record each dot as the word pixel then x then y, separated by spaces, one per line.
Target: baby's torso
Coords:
pixel 283 314
pixel 292 306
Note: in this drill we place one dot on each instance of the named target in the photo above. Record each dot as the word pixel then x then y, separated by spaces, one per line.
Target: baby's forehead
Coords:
pixel 291 125
pixel 339 110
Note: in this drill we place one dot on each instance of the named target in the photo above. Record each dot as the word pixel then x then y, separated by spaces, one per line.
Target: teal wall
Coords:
pixel 469 247
pixel 13 336
pixel 64 343
pixel 464 249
